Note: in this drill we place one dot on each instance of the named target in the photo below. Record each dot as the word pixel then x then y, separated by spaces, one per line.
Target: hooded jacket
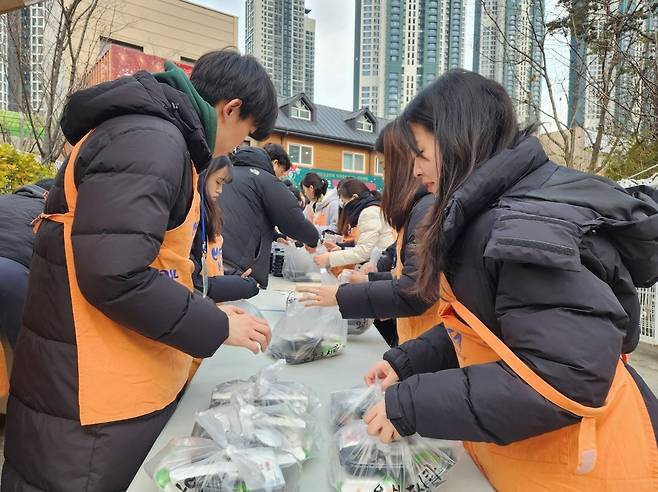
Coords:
pixel 549 259
pixel 331 205
pixel 17 211
pixel 135 182
pixel 253 204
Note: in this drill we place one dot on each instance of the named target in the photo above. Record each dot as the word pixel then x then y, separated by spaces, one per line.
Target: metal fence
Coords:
pixel 649 314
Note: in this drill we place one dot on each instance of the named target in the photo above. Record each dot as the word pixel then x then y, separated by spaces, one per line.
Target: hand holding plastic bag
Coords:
pixel 360 462
pixel 305 334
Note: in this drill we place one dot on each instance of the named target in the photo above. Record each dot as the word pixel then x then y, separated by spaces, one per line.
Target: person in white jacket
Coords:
pixel 361 221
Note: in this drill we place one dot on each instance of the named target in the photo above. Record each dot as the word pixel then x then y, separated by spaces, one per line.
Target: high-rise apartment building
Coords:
pixel 282 36
pixel 402 45
pixel 505 50
pixel 589 69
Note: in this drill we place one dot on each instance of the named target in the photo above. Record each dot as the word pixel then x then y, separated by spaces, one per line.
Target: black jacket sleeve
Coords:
pixel 123 208
pixel 374 276
pixel 283 211
pixel 431 352
pixel 569 339
pixel 388 298
pixel 227 288
pixel 386 262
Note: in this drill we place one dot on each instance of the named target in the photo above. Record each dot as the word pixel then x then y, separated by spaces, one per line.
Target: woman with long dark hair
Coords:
pixel 206 254
pixel 537 265
pixel 361 220
pixel 385 295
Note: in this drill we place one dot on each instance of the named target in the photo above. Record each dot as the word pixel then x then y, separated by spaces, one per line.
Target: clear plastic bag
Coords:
pixel 359 462
pixel 305 334
pixel 194 464
pixel 354 326
pixel 275 426
pixel 298 265
pixel 246 306
pixel 265 389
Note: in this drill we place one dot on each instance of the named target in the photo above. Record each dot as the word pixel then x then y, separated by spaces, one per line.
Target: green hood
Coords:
pixel 176 78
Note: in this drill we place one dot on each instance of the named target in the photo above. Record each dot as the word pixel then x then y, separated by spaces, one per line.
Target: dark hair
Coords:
pixel 214 220
pixel 295 191
pixel 347 188
pixel 276 152
pixel 472 119
pixel 226 74
pixel 400 185
pixel 46 184
pixel 320 185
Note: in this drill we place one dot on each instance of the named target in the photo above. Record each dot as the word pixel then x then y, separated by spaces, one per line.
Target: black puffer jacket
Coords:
pixel 17 211
pixel 548 258
pixel 134 178
pixel 253 204
pixel 386 297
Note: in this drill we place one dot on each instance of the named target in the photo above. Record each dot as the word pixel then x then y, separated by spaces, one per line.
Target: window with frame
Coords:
pixel 300 111
pixel 379 167
pixel 354 162
pixel 364 124
pixel 301 155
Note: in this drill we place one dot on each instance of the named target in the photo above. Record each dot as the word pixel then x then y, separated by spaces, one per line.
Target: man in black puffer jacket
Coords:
pixel 17 212
pixel 253 204
pixel 108 332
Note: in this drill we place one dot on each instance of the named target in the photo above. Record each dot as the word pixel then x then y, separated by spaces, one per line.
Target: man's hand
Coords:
pixel 379 425
pixel 384 371
pixel 245 330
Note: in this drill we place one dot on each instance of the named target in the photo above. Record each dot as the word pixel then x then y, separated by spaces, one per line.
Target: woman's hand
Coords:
pixel 309 249
pixel 357 277
pixel 322 260
pixel 384 371
pixel 331 246
pixel 324 296
pixel 379 425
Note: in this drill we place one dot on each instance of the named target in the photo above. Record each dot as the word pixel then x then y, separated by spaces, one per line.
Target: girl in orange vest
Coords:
pixel 384 295
pixel 537 266
pixel 209 278
pixel 322 208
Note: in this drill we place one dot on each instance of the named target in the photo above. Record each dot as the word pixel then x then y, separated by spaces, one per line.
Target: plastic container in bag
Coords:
pixel 194 464
pixel 359 462
pixel 246 306
pixel 298 265
pixel 265 389
pixel 354 326
pixel 276 426
pixel 305 334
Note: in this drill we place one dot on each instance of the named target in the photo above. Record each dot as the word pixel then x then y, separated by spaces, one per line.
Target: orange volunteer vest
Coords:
pixel 410 328
pixel 613 448
pixel 122 374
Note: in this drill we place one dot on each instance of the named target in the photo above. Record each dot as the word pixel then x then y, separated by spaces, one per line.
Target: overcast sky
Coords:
pixel 334 52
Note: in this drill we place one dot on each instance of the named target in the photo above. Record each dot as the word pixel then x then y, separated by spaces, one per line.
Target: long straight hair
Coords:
pixel 400 184
pixel 472 119
pixel 214 219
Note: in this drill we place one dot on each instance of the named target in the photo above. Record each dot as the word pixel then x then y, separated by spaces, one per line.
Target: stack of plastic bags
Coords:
pixel 359 462
pixel 305 334
pixel 254 438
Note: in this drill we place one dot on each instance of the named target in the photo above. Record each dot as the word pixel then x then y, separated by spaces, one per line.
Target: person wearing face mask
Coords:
pixel 254 205
pixel 361 220
pixel 208 276
pixel 538 266
pixel 322 208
